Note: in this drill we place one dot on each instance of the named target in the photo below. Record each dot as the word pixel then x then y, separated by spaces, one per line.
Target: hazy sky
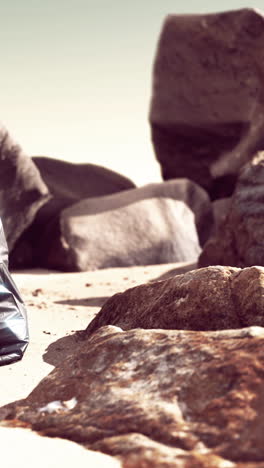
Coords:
pixel 76 77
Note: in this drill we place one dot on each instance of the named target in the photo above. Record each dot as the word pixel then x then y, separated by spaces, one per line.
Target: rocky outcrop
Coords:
pixel 157 398
pixel 213 298
pixel 22 190
pixel 238 240
pixel 151 231
pixel 207 101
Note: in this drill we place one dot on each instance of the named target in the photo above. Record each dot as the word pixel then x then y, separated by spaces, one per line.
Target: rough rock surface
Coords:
pixel 207 101
pixel 221 209
pixel 22 190
pixel 181 189
pixel 157 398
pixel 31 450
pixel 151 231
pixel 238 240
pixel 68 183
pixel 35 244
pixel 213 298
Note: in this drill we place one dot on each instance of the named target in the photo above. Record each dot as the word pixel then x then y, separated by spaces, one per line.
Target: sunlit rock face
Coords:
pixel 238 239
pixel 213 298
pixel 157 397
pixel 147 232
pixel 117 229
pixel 67 183
pixel 22 190
pixel 207 100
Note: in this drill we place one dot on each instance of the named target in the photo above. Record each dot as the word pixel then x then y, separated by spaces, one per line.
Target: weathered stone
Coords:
pixel 151 231
pixel 238 240
pixel 207 104
pixel 24 448
pixel 213 298
pixel 22 191
pixel 221 209
pixel 68 183
pixel 44 236
pixel 181 398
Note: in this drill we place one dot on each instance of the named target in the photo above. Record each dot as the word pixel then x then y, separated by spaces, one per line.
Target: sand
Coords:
pixel 59 305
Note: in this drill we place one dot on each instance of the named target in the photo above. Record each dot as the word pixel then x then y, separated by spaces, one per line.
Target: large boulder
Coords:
pixel 238 241
pixel 22 190
pixel 68 183
pixel 157 398
pixel 36 244
pixel 213 298
pixel 151 231
pixel 207 115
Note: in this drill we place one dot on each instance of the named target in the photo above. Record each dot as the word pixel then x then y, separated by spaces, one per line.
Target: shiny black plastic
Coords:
pixel 14 335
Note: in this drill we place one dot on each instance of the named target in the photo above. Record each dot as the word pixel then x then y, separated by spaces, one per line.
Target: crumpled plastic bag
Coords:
pixel 14 336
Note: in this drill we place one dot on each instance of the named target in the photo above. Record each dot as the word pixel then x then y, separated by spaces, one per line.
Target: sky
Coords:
pixel 76 77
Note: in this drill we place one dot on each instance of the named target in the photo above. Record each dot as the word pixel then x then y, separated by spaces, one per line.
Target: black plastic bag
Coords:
pixel 14 335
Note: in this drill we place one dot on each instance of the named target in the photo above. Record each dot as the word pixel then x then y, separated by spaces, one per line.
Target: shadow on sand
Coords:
pixel 86 302
pixel 62 348
pixel 175 271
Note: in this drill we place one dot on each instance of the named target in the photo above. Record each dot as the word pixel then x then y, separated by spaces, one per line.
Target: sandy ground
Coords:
pixel 58 305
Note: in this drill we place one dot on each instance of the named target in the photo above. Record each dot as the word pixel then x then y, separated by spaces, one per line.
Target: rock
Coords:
pixel 31 450
pixel 151 231
pixel 213 298
pixel 238 240
pixel 207 101
pixel 22 190
pixel 157 398
pixel 68 183
pixel 39 241
pixel 221 209
pixel 181 189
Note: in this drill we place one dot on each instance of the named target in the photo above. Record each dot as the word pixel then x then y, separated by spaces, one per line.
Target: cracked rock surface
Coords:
pixel 158 397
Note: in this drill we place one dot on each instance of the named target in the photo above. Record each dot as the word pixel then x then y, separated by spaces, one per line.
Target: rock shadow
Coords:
pixel 62 348
pixel 90 301
pixel 175 271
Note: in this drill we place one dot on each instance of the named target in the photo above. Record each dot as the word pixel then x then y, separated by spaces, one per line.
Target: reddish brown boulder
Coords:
pixel 213 298
pixel 22 190
pixel 238 241
pixel 157 398
pixel 207 101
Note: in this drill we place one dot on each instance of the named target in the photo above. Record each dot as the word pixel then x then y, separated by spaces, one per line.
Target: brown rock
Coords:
pixel 207 101
pixel 22 190
pixel 72 182
pixel 147 232
pixel 157 397
pixel 47 233
pixel 68 183
pixel 238 240
pixel 213 298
